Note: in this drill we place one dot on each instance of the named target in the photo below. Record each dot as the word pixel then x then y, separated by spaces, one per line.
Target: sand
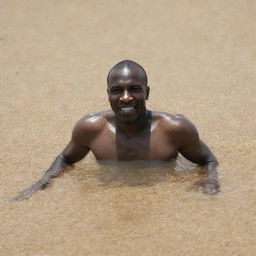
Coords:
pixel 200 57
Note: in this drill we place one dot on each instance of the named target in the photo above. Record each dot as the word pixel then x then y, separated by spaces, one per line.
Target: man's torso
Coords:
pixel 157 141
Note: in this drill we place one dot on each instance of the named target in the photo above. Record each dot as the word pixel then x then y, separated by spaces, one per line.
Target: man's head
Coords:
pixel 127 90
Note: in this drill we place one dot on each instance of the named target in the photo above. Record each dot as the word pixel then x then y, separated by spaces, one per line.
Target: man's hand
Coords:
pixel 57 167
pixel 26 193
pixel 208 185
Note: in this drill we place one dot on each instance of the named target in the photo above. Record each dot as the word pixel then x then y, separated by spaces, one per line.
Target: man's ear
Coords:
pixel 147 92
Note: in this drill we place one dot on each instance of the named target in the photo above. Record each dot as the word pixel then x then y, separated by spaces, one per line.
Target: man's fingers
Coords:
pixel 208 186
pixel 26 193
pixel 19 197
pixel 210 189
pixel 23 195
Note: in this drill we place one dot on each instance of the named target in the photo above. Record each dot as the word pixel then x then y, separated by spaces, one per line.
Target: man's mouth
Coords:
pixel 127 109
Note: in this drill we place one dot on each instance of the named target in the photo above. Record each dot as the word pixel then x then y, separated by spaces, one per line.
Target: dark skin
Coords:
pixel 131 132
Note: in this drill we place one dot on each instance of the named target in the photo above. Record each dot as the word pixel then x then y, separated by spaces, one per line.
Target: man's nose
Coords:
pixel 126 97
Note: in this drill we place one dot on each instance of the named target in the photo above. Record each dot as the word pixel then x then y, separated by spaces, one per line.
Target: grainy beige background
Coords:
pixel 200 57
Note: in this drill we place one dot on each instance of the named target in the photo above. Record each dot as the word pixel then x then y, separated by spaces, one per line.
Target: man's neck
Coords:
pixel 138 126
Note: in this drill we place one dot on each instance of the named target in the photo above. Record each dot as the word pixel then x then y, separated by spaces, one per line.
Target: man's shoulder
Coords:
pixel 92 124
pixel 176 127
pixel 175 122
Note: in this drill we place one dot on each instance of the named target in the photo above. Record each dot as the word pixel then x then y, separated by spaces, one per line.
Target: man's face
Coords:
pixel 127 92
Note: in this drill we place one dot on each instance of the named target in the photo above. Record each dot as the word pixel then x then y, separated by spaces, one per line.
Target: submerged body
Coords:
pixel 130 132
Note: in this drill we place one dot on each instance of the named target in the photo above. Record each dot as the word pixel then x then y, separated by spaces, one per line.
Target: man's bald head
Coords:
pixel 127 68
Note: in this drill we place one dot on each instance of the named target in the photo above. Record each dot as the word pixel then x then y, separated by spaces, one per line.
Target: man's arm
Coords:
pixel 73 153
pixel 198 152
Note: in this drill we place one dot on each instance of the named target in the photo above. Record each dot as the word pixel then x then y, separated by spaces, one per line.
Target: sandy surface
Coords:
pixel 200 57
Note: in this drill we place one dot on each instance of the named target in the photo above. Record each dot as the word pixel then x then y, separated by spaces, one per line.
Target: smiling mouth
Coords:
pixel 127 109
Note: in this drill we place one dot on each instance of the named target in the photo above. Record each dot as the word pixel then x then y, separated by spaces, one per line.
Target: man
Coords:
pixel 131 132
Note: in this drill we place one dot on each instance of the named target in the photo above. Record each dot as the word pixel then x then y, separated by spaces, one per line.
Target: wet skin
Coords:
pixel 131 132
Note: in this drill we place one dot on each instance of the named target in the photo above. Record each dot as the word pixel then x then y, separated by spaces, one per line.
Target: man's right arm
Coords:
pixel 75 150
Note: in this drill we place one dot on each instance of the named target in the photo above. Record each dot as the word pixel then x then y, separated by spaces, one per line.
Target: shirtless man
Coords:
pixel 131 132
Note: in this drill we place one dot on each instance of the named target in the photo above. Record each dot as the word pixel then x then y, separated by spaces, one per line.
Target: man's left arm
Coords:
pixel 198 152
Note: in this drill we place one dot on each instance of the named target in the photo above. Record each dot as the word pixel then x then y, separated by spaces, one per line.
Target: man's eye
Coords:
pixel 135 89
pixel 116 90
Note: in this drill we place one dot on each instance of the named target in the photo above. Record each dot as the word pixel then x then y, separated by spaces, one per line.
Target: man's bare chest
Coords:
pixel 148 145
